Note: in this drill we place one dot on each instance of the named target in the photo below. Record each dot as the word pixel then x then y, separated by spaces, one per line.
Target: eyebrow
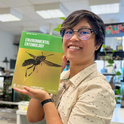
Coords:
pixel 84 27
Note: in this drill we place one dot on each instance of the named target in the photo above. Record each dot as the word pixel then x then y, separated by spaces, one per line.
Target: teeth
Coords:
pixel 74 47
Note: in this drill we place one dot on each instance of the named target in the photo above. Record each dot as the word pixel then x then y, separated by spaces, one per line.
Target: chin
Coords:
pixel 72 58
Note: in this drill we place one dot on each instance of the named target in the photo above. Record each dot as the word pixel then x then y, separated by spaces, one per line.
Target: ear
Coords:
pixel 98 46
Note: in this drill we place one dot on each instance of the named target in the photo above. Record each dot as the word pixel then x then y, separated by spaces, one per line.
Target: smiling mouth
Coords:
pixel 74 47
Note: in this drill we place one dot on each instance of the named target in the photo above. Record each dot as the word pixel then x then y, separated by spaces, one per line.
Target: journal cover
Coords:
pixel 39 62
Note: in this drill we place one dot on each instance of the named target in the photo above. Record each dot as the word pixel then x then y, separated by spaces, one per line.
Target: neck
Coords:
pixel 76 68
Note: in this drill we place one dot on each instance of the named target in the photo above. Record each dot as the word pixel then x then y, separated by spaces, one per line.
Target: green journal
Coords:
pixel 39 62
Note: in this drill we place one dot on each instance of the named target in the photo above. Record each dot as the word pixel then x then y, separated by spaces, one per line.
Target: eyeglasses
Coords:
pixel 83 33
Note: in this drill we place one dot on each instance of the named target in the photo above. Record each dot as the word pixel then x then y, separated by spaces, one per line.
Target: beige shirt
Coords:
pixel 86 98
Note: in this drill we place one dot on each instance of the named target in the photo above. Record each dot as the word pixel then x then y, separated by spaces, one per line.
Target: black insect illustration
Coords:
pixel 36 61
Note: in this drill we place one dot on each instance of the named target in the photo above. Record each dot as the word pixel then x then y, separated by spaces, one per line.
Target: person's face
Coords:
pixel 77 50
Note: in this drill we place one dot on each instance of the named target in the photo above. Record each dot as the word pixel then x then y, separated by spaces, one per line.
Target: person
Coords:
pixel 85 96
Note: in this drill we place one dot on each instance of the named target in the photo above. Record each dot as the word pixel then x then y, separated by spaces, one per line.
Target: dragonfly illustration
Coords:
pixel 37 60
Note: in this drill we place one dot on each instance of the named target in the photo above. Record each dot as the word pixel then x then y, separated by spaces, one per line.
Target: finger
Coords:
pixel 64 62
pixel 21 91
pixel 28 89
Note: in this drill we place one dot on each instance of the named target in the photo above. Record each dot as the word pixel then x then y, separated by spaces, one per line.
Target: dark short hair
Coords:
pixel 95 22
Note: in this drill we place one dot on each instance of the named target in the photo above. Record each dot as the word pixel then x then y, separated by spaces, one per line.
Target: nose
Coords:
pixel 74 37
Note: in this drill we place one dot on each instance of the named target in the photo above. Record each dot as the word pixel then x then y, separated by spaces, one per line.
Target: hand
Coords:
pixel 64 62
pixel 38 94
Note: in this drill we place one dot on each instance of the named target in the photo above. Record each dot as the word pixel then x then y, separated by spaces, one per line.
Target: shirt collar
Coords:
pixel 79 76
pixel 83 74
pixel 65 75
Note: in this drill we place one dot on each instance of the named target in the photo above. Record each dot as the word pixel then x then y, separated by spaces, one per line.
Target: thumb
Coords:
pixel 64 62
pixel 28 89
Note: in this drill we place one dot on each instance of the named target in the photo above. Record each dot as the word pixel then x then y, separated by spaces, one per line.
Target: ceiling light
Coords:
pixel 9 14
pixel 105 8
pixel 52 10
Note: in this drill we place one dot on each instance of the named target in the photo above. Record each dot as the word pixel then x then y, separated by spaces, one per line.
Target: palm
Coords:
pixel 33 93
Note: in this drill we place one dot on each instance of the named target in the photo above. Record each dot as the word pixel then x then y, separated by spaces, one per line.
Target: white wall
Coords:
pixel 111 41
pixel 7 49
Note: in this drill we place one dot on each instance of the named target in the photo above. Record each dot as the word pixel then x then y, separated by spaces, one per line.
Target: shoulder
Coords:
pixel 96 85
pixel 98 94
pixel 97 82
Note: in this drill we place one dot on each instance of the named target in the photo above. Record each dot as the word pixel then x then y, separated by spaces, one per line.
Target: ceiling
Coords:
pixel 32 21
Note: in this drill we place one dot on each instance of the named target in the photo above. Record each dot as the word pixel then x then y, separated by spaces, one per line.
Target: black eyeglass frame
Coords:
pixel 63 31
